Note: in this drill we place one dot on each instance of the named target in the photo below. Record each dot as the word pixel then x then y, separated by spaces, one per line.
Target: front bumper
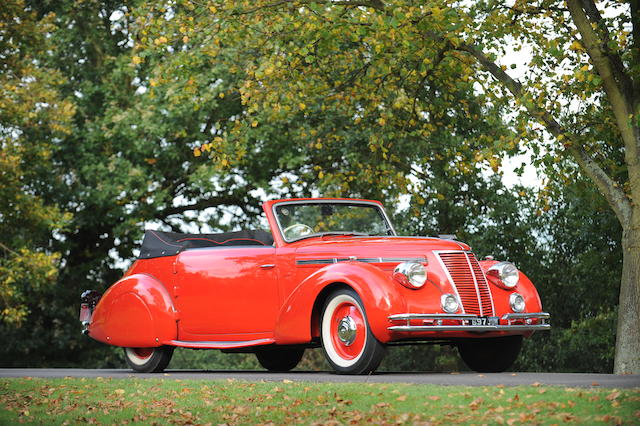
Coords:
pixel 467 322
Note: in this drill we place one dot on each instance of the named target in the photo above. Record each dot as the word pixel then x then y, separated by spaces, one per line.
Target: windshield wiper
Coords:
pixel 358 234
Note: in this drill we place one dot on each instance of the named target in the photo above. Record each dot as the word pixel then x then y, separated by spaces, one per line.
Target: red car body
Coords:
pixel 272 299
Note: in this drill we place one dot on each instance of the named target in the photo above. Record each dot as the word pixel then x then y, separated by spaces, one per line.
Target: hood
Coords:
pixel 375 246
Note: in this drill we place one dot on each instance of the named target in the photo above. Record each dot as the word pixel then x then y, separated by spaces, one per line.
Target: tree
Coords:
pixel 120 159
pixel 397 65
pixel 32 114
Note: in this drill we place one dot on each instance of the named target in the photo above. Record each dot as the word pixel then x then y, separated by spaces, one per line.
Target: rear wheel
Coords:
pixel 279 359
pixel 490 355
pixel 148 360
pixel 347 340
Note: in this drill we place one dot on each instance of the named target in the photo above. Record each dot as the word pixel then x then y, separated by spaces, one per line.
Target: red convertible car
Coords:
pixel 331 273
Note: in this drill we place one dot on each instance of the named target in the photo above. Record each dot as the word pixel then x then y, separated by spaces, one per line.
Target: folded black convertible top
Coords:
pixel 159 244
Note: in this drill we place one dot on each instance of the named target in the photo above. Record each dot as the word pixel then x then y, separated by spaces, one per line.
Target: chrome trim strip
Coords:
pixel 519 327
pixel 315 261
pixel 475 282
pixel 446 272
pixel 331 201
pixel 406 317
pixel 219 344
pixel 532 315
pixel 328 261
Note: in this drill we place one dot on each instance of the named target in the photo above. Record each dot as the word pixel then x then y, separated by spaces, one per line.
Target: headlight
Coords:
pixel 410 274
pixel 449 303
pixel 517 302
pixel 505 274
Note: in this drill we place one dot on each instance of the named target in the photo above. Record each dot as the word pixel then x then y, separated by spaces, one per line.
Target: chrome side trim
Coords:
pixel 328 261
pixel 519 327
pixel 219 345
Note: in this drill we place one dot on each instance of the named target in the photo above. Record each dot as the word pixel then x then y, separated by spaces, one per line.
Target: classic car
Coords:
pixel 331 273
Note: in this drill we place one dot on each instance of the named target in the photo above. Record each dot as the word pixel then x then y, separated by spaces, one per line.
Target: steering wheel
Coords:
pixel 297 230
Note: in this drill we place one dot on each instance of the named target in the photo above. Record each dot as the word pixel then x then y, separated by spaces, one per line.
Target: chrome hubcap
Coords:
pixel 347 330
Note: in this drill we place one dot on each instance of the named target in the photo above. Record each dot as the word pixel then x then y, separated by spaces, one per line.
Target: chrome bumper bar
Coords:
pixel 466 322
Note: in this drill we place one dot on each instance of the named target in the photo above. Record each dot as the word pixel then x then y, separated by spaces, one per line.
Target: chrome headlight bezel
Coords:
pixel 447 305
pixel 517 303
pixel 504 274
pixel 412 275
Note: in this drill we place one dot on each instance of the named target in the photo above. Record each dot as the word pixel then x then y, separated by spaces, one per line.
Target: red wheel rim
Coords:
pixel 143 353
pixel 345 349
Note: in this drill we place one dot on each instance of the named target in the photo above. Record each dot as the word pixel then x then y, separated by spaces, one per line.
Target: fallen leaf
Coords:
pixel 613 395
pixel 401 398
pixel 434 398
pixel 595 384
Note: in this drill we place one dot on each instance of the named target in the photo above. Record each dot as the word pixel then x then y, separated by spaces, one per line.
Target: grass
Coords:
pixel 149 401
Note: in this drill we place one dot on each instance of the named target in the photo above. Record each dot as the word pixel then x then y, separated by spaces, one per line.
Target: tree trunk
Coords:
pixel 627 357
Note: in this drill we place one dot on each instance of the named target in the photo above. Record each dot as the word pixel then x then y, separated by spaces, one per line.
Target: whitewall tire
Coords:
pixel 347 340
pixel 148 360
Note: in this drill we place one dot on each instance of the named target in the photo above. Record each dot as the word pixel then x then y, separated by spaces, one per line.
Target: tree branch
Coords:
pixel 607 186
pixel 622 103
pixel 618 68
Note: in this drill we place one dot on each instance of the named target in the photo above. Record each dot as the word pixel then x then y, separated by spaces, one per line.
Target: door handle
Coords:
pixel 267 266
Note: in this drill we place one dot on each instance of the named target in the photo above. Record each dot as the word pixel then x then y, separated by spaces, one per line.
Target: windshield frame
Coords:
pixel 374 204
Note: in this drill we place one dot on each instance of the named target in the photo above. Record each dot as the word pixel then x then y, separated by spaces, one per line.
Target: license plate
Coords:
pixel 85 313
pixel 485 321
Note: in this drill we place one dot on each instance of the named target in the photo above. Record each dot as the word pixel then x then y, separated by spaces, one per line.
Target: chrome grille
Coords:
pixel 469 281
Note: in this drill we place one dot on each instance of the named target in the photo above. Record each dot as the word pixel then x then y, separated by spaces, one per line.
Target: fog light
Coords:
pixel 517 302
pixel 449 303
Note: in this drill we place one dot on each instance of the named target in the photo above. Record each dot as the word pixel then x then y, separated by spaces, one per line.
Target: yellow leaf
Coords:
pixel 197 152
pixel 302 106
pixel 254 124
pixel 381 121
pixel 320 175
pixel 136 60
pixel 160 40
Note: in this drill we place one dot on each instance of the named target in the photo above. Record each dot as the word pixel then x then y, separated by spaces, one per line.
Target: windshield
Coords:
pixel 303 220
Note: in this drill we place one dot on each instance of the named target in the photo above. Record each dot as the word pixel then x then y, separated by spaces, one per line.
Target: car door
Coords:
pixel 226 293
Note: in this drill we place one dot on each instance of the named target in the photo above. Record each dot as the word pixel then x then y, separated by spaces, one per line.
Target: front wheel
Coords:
pixel 347 340
pixel 490 355
pixel 279 360
pixel 148 360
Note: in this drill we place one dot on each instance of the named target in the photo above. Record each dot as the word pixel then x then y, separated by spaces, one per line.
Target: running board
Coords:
pixel 219 345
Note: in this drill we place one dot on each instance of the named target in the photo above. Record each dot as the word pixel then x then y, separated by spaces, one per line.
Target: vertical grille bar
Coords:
pixel 469 281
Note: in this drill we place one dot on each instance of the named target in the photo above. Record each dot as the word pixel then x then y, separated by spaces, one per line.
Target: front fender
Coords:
pixel 136 311
pixel 376 288
pixel 525 287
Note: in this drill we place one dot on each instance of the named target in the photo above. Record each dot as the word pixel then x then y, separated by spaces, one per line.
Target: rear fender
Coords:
pixel 376 288
pixel 136 311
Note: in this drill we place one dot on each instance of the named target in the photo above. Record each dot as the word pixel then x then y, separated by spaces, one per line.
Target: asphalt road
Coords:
pixel 465 379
